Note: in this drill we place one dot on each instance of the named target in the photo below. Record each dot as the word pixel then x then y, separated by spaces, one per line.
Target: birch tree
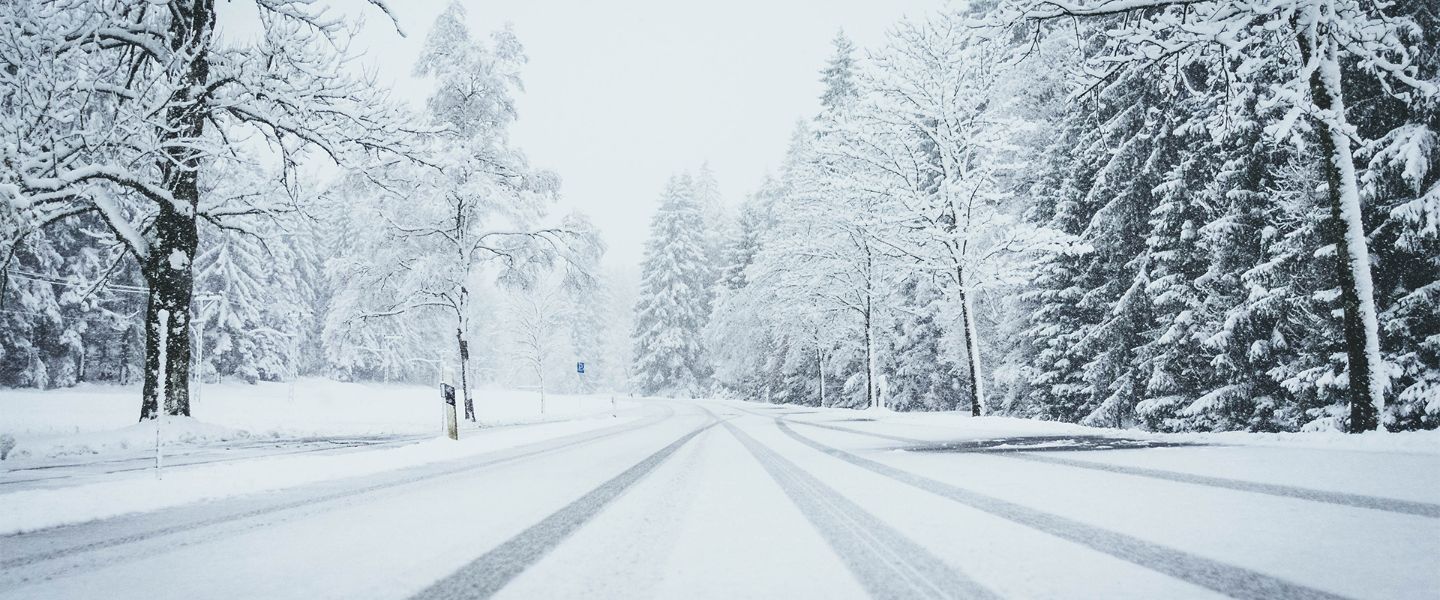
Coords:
pixel 536 318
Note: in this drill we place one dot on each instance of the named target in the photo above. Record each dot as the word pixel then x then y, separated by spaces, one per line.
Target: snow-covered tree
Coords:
pixel 1313 40
pixel 118 110
pixel 935 136
pixel 839 75
pixel 673 305
pixel 535 319
pixel 473 204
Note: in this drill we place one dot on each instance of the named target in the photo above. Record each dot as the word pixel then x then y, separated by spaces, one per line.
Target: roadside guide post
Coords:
pixel 580 377
pixel 452 427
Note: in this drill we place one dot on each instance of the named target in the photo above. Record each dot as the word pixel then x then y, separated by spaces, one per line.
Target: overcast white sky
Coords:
pixel 621 94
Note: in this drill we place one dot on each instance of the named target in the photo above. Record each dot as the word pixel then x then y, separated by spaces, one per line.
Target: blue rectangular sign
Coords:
pixel 579 367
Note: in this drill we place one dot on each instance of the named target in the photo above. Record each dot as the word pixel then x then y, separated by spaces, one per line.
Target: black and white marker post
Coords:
pixel 452 426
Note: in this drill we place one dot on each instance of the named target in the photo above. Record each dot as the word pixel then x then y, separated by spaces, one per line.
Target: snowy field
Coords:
pixel 101 419
pixel 78 454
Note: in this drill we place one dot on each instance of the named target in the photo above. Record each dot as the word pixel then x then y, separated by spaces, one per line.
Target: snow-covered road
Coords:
pixel 733 500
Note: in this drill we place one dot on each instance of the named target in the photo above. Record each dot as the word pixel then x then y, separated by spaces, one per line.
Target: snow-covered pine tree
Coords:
pixel 719 224
pixel 672 307
pixel 1101 146
pixel 1118 268
pixel 737 336
pixel 1325 37
pixel 921 375
pixel 838 76
pixel 1172 360
pixel 1400 185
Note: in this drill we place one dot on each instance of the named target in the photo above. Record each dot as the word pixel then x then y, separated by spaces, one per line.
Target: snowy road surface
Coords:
pixel 734 500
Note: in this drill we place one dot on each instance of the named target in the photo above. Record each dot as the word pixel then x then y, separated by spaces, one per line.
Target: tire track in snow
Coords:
pixel 1237 582
pixel 484 576
pixel 886 562
pixel 15 558
pixel 1405 507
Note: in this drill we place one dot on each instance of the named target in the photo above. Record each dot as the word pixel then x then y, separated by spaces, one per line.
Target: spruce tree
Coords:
pixel 672 307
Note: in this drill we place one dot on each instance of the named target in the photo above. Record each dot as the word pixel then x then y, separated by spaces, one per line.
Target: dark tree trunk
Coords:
pixel 123 363
pixel 972 351
pixel 167 333
pixel 167 269
pixel 1347 232
pixel 465 375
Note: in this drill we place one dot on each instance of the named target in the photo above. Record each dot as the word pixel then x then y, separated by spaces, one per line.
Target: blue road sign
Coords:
pixel 579 367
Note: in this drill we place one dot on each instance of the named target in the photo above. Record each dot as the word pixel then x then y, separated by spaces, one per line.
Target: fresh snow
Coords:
pixel 368 410
pixel 741 507
pixel 101 419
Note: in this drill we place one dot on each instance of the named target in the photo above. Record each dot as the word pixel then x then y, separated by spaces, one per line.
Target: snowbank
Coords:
pixel 93 419
pixel 960 425
pixel 34 509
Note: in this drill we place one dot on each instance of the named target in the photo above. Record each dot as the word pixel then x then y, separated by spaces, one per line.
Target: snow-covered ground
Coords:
pixel 79 454
pixel 949 424
pixel 725 499
pixel 101 419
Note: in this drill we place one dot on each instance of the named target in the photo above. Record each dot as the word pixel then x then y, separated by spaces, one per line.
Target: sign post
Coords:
pixel 452 428
pixel 580 375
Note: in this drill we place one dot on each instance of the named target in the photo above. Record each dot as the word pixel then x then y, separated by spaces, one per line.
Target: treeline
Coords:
pixel 159 212
pixel 1172 216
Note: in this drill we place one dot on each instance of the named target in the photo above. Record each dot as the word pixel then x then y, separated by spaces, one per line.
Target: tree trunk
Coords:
pixel 124 360
pixel 1347 231
pixel 167 268
pixel 871 385
pixel 820 372
pixel 167 315
pixel 465 373
pixel 972 351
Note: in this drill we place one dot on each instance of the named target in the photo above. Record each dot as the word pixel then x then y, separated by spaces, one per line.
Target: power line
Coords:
pixel 41 278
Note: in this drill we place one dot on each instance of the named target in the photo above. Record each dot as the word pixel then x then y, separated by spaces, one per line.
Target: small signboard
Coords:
pixel 448 391
pixel 580 368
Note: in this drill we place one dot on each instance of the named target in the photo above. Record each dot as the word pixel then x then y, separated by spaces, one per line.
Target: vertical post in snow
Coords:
pixel 452 424
pixel 820 368
pixel 612 406
pixel 198 372
pixel 161 401
pixel 444 407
